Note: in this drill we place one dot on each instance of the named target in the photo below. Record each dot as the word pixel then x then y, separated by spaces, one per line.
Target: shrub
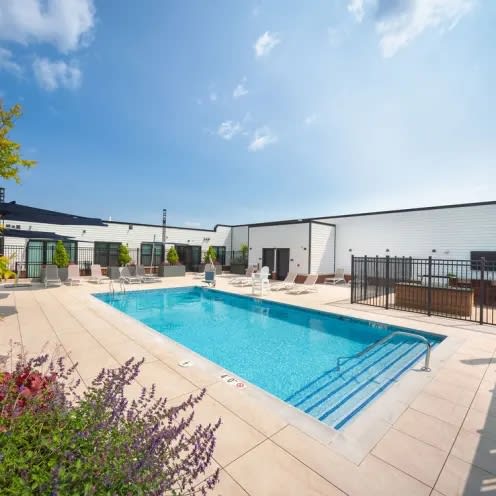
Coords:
pixel 5 272
pixel 99 442
pixel 244 250
pixel 123 257
pixel 60 256
pixel 172 256
pixel 210 255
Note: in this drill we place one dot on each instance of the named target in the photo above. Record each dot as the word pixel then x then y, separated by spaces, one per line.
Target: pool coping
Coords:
pixel 360 435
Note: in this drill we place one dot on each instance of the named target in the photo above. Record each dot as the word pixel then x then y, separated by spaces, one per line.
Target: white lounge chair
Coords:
pixel 96 274
pixel 338 277
pixel 73 276
pixel 242 279
pixel 141 273
pixel 308 285
pixel 52 276
pixel 127 278
pixel 288 282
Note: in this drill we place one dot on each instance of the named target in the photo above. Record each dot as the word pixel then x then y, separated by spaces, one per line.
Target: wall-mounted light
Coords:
pixel 387 250
pixel 433 250
pixel 84 230
pixel 130 227
pixel 350 250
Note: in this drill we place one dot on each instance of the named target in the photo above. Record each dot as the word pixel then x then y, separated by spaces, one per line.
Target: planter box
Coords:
pixel 238 269
pixel 172 271
pixel 62 273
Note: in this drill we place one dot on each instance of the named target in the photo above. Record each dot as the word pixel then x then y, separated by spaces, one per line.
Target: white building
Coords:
pixel 314 245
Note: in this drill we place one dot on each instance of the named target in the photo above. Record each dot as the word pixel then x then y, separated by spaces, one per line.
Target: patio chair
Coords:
pixel 308 286
pixel 288 282
pixel 73 276
pixel 141 273
pixel 249 271
pixel 210 274
pixel 96 274
pixel 127 278
pixel 52 276
pixel 338 277
pixel 248 281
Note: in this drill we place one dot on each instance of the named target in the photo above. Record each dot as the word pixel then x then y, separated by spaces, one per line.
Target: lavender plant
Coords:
pixel 99 442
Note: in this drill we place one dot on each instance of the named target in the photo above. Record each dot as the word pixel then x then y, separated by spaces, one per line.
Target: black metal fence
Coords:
pixel 461 289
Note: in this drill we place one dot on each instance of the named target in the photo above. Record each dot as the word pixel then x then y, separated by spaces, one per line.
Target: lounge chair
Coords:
pixel 238 280
pixel 52 276
pixel 127 278
pixel 140 272
pixel 338 277
pixel 308 286
pixel 210 274
pixel 288 282
pixel 73 276
pixel 96 274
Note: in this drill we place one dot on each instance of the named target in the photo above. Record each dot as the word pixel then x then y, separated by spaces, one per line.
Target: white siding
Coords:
pixel 116 232
pixel 452 232
pixel 239 236
pixel 322 249
pixel 292 236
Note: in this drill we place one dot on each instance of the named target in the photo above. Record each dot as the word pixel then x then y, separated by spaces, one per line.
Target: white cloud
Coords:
pixel 240 89
pixel 310 119
pixel 357 9
pixel 266 43
pixel 212 96
pixel 261 138
pixel 63 23
pixel 7 64
pixel 228 129
pixel 54 74
pixel 404 25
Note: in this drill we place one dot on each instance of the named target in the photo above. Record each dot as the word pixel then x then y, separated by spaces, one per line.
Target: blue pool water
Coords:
pixel 288 351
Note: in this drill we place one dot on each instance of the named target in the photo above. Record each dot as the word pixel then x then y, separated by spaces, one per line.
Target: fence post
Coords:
pixel 365 277
pixel 429 287
pixel 376 277
pixel 353 282
pixel 482 290
pixel 387 282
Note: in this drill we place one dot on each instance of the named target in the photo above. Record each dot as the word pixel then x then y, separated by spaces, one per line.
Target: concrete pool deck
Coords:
pixel 431 433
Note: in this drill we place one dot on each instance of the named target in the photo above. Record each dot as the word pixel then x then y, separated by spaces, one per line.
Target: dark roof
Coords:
pixel 20 233
pixel 16 212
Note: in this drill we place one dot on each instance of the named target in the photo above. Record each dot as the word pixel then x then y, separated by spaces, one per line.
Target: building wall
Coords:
pixel 322 249
pixel 116 232
pixel 292 236
pixel 239 236
pixel 452 232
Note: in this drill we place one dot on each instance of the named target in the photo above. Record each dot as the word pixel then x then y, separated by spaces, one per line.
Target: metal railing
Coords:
pixel 461 289
pixel 427 361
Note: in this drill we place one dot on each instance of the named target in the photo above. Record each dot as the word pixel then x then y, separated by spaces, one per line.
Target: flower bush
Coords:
pixel 55 441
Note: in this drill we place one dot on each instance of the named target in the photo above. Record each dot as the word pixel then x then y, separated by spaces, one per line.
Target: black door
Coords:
pixel 189 256
pixel 268 258
pixel 282 263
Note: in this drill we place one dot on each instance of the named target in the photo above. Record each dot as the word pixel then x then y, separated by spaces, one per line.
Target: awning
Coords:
pixel 20 233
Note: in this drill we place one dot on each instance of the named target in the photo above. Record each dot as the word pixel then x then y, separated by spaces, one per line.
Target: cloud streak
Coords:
pixel 262 137
pixel 266 43
pixel 56 74
pixel 240 89
pixel 7 63
pixel 228 129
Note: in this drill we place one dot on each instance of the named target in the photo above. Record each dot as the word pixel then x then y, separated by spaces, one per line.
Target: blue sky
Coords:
pixel 245 111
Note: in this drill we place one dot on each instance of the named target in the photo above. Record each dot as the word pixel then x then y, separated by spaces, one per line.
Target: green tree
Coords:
pixel 5 272
pixel 10 151
pixel 244 250
pixel 210 255
pixel 123 258
pixel 172 256
pixel 60 257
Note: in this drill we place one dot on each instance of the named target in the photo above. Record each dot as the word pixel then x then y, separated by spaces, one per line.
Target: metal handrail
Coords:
pixel 425 368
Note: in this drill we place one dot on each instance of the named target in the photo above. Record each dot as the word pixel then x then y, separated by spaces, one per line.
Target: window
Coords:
pixel 221 254
pixel 107 254
pixel 489 256
pixel 146 254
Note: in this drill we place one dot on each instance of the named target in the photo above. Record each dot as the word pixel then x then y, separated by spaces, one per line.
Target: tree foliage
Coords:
pixel 123 258
pixel 210 255
pixel 172 256
pixel 10 151
pixel 60 257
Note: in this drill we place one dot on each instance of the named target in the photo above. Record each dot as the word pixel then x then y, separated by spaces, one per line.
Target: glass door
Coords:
pixel 34 258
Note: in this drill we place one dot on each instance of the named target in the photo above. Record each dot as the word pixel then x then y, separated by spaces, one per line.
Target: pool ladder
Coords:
pixel 121 285
pixel 428 345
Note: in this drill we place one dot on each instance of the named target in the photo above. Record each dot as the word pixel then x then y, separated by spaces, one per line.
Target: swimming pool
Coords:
pixel 289 351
